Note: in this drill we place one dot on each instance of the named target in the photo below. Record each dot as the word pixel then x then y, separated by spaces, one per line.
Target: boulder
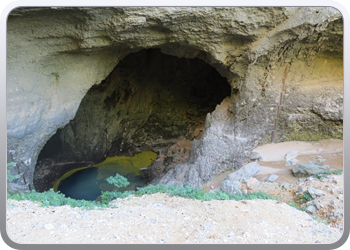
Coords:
pixel 256 156
pixel 252 183
pixel 315 192
pixel 308 169
pixel 245 172
pixel 290 157
pixel 231 186
pixel 311 209
pixel 291 162
pixel 272 178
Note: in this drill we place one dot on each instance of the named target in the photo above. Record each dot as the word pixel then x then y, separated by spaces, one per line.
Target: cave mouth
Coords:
pixel 149 102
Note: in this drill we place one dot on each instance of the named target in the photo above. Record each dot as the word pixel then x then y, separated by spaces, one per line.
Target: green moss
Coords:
pixel 265 140
pixel 125 164
pixel 311 136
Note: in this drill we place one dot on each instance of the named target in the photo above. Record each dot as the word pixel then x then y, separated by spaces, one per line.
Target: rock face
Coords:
pixel 150 101
pixel 274 73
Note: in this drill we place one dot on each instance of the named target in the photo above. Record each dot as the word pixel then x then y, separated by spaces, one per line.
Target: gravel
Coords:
pixel 159 218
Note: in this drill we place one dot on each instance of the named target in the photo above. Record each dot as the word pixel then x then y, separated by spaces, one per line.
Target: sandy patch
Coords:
pixel 330 151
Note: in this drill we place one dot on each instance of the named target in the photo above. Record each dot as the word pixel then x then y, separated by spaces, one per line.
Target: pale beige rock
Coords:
pixel 56 57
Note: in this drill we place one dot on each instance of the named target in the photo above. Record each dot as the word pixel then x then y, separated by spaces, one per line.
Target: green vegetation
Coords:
pixel 311 136
pixel 319 221
pixel 9 176
pixel 51 198
pixel 298 135
pixel 195 193
pixel 306 197
pixel 324 222
pixel 297 207
pixel 327 173
pixel 118 181
pixel 302 199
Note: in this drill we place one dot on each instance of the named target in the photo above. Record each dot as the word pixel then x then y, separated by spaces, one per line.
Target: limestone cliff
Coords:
pixel 279 71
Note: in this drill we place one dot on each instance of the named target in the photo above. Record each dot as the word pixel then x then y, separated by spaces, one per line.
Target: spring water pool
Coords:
pixel 87 183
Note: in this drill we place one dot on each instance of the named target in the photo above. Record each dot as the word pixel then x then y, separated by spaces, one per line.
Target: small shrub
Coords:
pixel 118 180
pixel 9 176
pixel 52 198
pixel 293 205
pixel 327 173
pixel 301 208
pixel 306 197
pixel 324 222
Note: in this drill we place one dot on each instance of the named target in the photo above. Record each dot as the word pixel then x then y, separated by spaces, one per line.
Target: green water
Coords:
pixel 88 182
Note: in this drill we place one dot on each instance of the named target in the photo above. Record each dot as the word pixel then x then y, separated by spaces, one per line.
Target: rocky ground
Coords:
pixel 159 218
pixel 329 207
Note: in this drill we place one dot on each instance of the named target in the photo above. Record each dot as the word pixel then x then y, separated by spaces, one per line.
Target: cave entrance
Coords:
pixel 149 102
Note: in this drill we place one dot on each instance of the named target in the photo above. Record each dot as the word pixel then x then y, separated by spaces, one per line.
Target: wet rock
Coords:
pixel 308 169
pixel 272 178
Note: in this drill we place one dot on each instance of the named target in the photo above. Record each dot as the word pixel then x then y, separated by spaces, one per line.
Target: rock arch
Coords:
pixel 55 55
pixel 150 101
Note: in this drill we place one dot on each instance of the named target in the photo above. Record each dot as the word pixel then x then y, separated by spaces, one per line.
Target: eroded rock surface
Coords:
pixel 284 67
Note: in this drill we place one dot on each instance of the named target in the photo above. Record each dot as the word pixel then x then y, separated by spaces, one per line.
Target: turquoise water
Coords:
pixel 84 184
pixel 87 183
